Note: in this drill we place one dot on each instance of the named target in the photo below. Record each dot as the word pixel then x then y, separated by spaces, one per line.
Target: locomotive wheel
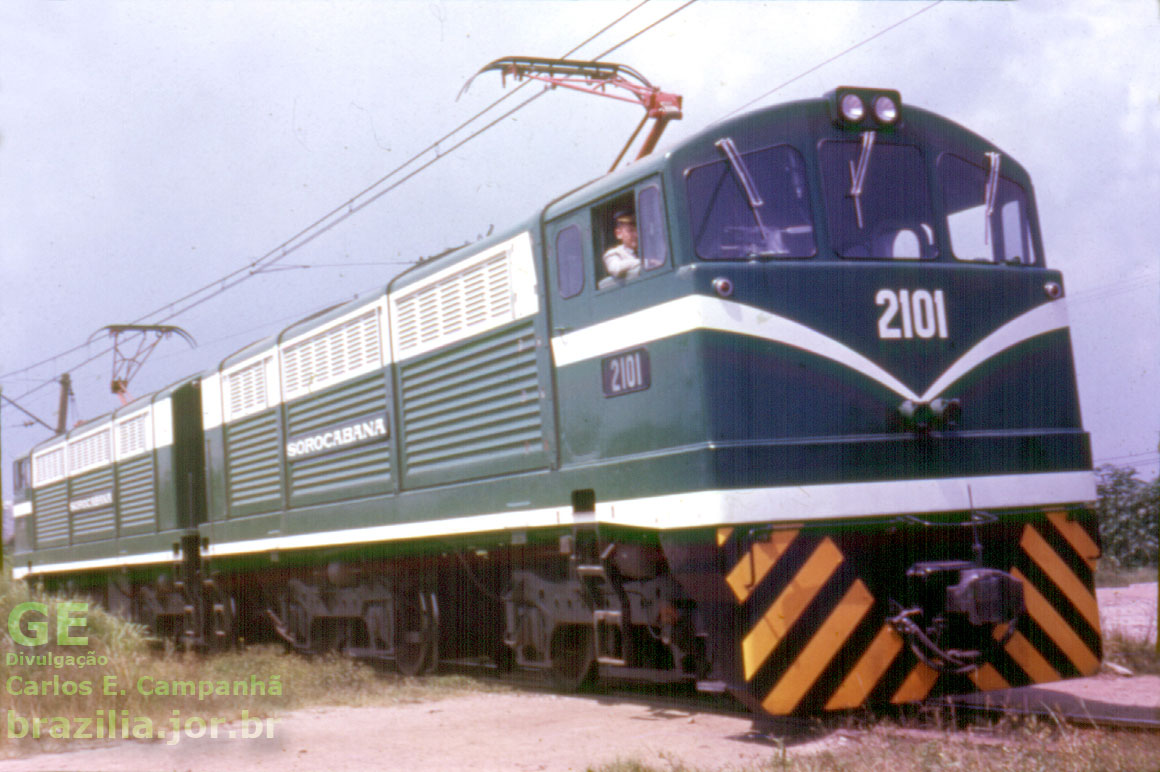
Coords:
pixel 416 633
pixel 573 658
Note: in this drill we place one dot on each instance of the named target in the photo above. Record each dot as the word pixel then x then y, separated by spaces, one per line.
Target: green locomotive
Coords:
pixel 819 445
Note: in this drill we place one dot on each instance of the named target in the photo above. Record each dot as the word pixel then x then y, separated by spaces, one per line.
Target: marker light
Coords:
pixel 853 109
pixel 885 110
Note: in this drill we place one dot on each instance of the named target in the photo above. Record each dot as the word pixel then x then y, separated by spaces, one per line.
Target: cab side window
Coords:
pixel 654 247
pixel 569 262
pixel 632 235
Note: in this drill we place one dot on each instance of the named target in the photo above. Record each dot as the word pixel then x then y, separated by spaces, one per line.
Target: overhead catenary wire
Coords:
pixel 1143 456
pixel 292 244
pixel 350 208
pixel 353 205
pixel 1136 461
pixel 833 58
pixel 637 34
pixel 340 213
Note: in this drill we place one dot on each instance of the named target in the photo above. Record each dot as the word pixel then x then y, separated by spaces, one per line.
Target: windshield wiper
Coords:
pixel 747 184
pixel 770 243
pixel 989 194
pixel 858 173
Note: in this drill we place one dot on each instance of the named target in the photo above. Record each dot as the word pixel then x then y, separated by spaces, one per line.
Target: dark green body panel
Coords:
pixel 474 410
pixel 155 496
pixel 470 430
pixel 356 472
pixel 253 466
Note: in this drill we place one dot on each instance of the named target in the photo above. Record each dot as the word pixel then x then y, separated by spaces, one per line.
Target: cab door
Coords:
pixel 568 247
pixel 598 386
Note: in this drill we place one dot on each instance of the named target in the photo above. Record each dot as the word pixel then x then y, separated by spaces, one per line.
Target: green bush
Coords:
pixel 1129 516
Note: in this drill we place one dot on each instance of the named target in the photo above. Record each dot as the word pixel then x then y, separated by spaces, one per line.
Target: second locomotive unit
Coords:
pixel 819 446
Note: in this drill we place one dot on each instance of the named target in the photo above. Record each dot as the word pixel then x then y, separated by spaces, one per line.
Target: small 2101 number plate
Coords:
pixel 626 372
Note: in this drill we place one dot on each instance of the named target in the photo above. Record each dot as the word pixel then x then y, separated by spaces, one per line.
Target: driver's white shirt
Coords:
pixel 622 262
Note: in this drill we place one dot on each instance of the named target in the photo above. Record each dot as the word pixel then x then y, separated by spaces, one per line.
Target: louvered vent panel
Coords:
pixel 90 452
pixel 362 465
pixel 333 355
pixel 429 315
pixel 407 324
pixel 51 513
pixel 499 288
pixel 49 466
pixel 93 523
pixel 252 463
pixel 475 296
pixel 478 295
pixel 136 495
pixel 246 390
pixel 475 403
pixel 132 436
pixel 451 307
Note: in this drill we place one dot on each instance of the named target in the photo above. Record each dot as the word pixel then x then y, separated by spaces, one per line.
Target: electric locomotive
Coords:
pixel 821 447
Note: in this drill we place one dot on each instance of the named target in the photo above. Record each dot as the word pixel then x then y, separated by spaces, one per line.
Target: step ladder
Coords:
pixel 610 625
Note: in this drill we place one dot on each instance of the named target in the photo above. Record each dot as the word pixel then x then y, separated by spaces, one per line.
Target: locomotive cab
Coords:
pixel 856 364
pixel 844 288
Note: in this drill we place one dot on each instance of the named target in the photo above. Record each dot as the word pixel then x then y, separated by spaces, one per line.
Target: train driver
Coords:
pixel 622 261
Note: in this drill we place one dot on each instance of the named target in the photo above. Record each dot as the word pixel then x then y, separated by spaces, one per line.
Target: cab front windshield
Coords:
pixel 877 200
pixel 752 205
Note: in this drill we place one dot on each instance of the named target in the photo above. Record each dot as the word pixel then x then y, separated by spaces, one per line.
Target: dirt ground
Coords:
pixel 524 731
pixel 1129 610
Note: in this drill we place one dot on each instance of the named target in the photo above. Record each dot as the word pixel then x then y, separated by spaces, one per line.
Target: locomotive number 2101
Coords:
pixel 922 314
pixel 626 372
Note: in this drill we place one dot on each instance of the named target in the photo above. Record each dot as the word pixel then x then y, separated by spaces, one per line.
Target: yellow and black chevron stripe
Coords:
pixel 1060 634
pixel 814 605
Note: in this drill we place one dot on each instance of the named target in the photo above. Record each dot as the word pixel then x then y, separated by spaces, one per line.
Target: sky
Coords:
pixel 149 149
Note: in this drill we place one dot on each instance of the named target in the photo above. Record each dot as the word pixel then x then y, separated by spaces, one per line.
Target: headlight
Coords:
pixel 885 110
pixel 865 109
pixel 853 109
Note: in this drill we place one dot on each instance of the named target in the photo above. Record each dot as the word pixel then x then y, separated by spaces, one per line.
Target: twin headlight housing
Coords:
pixel 865 108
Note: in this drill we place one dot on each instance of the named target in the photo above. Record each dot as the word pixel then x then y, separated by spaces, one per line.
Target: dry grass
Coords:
pixel 122 671
pixel 1141 657
pixel 886 747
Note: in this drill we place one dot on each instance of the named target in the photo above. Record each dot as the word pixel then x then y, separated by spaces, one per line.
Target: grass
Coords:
pixel 1141 657
pixel 121 669
pixel 887 747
